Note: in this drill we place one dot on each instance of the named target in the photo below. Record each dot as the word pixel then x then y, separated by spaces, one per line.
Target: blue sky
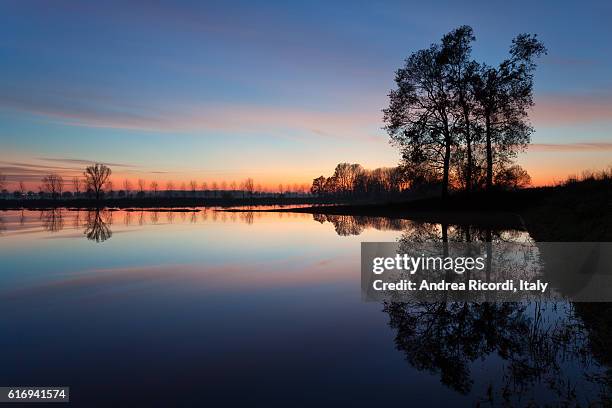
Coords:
pixel 279 91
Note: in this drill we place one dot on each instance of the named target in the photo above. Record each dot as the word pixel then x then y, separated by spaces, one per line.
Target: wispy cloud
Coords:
pixel 279 121
pixel 570 109
pixel 33 172
pixel 571 147
pixel 83 162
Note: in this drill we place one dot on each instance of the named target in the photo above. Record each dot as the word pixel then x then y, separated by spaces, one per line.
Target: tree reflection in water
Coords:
pixel 346 225
pixel 559 347
pixel 97 225
pixel 52 220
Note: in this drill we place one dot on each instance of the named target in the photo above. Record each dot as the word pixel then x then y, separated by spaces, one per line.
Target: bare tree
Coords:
pixel 127 186
pixel 154 187
pixel 204 186
pixel 194 186
pixel 22 188
pixel 2 181
pixel 249 186
pixel 96 177
pixel 108 186
pixel 141 186
pixel 53 184
pixel 169 188
pixel 76 185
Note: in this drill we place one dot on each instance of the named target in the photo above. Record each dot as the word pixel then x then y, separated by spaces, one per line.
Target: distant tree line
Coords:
pixel 350 180
pixel 96 183
pixel 460 123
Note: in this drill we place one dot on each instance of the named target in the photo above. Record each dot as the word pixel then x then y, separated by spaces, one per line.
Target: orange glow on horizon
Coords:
pixel 547 164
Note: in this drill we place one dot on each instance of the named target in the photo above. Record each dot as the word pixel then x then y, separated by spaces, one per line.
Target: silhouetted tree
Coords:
pixel 127 186
pixel 53 184
pixel 352 179
pixel 169 188
pixel 318 186
pixel 504 96
pixel 462 72
pixel 2 181
pixel 345 176
pixel 141 186
pixel 108 186
pixel 419 118
pixel 154 188
pixel 445 104
pixel 96 177
pixel 76 185
pixel 249 186
pixel 512 177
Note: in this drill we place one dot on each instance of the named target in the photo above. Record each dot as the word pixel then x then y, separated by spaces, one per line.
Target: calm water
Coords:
pixel 190 308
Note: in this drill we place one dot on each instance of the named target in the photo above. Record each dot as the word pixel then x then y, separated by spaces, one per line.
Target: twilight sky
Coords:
pixel 280 91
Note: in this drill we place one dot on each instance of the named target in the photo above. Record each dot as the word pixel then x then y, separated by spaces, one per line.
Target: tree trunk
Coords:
pixel 489 153
pixel 445 176
pixel 489 244
pixel 468 140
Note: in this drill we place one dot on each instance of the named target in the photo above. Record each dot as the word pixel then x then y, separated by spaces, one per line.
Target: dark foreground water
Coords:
pixel 219 309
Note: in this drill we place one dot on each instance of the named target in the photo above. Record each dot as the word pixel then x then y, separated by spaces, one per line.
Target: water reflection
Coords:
pixel 536 353
pixel 548 352
pixel 539 345
pixel 97 225
pixel 345 225
pixel 52 220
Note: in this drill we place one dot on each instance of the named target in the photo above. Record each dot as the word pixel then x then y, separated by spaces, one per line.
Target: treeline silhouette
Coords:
pixel 350 180
pixel 96 184
pixel 459 123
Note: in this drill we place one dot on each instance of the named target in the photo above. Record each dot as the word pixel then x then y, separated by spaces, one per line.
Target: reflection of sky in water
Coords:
pixel 207 302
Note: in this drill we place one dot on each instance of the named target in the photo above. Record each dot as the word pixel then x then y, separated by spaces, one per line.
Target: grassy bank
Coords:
pixel 575 211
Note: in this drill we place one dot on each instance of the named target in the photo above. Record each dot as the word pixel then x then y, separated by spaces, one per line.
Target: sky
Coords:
pixel 279 91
